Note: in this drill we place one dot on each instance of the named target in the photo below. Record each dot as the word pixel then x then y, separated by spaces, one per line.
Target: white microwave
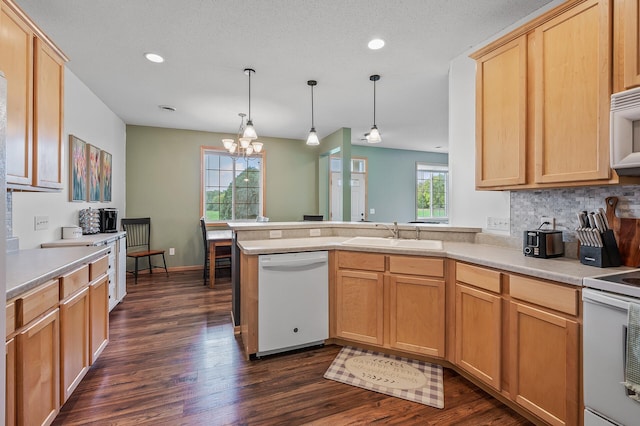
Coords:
pixel 625 132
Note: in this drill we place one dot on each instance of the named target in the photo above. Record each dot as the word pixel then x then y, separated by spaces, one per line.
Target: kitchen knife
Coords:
pixel 592 220
pixel 599 222
pixel 604 218
pixel 596 235
pixel 581 222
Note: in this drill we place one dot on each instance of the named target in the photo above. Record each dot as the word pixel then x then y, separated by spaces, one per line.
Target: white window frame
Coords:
pixel 433 168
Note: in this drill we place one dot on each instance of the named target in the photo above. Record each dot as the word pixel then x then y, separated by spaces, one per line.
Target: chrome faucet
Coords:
pixel 395 231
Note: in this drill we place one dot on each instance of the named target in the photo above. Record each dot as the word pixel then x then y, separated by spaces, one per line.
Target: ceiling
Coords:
pixel 207 44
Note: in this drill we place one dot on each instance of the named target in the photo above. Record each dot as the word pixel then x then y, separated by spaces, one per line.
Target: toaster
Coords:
pixel 543 243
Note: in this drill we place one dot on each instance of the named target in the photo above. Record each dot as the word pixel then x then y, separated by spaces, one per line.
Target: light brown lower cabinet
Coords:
pixel 545 364
pixel 359 306
pixel 38 389
pixel 99 317
pixel 10 390
pixel 479 334
pixel 74 341
pixel 417 315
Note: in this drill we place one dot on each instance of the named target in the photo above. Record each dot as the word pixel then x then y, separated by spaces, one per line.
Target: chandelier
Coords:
pixel 244 146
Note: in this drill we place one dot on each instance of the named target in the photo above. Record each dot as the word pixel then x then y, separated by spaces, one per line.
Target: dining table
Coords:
pixel 216 240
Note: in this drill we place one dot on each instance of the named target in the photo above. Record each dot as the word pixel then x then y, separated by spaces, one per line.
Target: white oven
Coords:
pixel 606 302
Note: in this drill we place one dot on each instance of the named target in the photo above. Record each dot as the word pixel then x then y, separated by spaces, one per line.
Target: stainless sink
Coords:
pixel 393 243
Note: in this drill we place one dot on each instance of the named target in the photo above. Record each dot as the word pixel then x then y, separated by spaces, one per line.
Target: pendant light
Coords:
pixel 249 131
pixel 312 139
pixel 374 134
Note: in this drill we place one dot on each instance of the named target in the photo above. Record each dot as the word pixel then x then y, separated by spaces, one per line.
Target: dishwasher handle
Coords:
pixel 292 264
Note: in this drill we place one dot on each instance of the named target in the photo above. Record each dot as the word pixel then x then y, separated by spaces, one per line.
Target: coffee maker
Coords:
pixel 108 220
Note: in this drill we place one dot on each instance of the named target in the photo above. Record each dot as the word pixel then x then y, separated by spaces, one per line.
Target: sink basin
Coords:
pixel 393 243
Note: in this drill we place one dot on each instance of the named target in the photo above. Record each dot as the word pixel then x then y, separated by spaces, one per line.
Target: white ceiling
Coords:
pixel 208 43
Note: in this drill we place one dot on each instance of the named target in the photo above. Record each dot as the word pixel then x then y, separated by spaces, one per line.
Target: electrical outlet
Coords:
pixel 41 222
pixel 275 234
pixel 498 223
pixel 172 251
pixel 550 220
pixel 372 211
pixel 314 232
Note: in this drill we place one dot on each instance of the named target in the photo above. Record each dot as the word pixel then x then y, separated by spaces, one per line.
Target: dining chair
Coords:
pixel 222 252
pixel 139 243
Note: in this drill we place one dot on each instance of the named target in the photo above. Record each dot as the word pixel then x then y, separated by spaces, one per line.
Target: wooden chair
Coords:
pixel 222 253
pixel 139 243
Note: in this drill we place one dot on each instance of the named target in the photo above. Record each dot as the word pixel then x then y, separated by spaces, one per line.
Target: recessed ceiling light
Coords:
pixel 376 43
pixel 154 57
pixel 167 108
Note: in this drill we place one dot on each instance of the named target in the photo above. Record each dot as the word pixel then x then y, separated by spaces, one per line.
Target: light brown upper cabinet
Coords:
pixel 501 115
pixel 542 101
pixel 626 44
pixel 34 69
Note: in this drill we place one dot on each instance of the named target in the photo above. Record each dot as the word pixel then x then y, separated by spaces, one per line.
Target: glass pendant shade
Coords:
pixel 374 135
pixel 227 143
pixel 312 139
pixel 244 142
pixel 233 147
pixel 249 131
pixel 257 146
pixel 249 150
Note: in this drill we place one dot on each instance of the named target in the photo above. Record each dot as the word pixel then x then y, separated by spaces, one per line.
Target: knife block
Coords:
pixel 603 257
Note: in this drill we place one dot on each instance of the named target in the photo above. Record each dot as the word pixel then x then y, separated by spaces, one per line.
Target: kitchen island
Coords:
pixel 509 323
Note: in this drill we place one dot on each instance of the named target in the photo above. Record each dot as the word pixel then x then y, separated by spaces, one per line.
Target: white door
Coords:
pixel 336 196
pixel 358 197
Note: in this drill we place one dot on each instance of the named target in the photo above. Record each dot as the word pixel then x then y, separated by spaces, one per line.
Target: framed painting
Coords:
pixel 93 164
pixel 78 169
pixel 105 176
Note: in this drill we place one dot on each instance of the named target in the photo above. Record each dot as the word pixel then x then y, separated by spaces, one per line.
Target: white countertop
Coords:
pixel 258 226
pixel 27 269
pixel 561 269
pixel 86 240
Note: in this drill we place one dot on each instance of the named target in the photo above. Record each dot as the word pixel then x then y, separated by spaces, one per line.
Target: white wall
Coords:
pixel 88 118
pixel 468 206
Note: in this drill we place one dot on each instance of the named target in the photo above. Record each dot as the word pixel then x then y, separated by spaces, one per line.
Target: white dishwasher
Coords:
pixel 293 301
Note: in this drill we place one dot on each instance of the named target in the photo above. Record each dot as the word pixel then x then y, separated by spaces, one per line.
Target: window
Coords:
pixel 232 187
pixel 432 192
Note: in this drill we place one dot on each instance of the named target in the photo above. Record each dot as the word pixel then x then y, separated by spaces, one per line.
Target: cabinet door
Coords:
pixel 478 334
pixel 631 49
pixel 416 315
pixel 359 306
pixel 501 115
pixel 121 269
pixel 74 342
pixel 48 119
pixel 98 317
pixel 16 57
pixel 10 404
pixel 38 368
pixel 572 58
pixel 545 359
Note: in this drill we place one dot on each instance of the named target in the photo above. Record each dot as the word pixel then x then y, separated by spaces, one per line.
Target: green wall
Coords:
pixel 163 182
pixel 392 180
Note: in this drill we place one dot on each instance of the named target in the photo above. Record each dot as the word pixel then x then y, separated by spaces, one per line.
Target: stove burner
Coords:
pixel 632 281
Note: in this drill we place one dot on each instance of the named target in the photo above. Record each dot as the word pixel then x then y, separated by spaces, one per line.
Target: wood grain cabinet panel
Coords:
pixel 10 390
pixel 359 306
pixel 38 371
pixel 572 60
pixel 501 115
pixel 99 317
pixel 478 334
pixel 417 315
pixel 16 57
pixel 629 22
pixel 74 342
pixel 545 364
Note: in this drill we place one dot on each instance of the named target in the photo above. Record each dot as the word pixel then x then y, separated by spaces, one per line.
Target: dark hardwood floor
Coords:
pixel 173 359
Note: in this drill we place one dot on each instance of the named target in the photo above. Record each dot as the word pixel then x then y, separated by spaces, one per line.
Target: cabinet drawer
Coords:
pixel 11 318
pixel 486 279
pixel 98 267
pixel 432 267
pixel 357 260
pixel 74 281
pixel 553 296
pixel 37 302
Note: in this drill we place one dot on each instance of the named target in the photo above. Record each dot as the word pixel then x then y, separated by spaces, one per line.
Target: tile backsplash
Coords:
pixel 563 204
